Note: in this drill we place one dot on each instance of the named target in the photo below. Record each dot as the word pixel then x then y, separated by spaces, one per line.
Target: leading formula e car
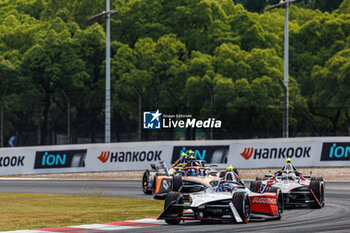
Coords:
pixel 187 174
pixel 229 200
pixel 297 190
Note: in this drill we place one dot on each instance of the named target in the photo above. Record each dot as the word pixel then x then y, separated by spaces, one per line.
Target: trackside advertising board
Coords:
pixel 304 152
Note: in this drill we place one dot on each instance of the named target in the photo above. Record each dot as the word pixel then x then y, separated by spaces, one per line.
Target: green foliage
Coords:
pixel 173 54
pixel 259 5
pixel 344 7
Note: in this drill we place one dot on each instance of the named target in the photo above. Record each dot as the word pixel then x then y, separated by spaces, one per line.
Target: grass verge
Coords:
pixel 30 211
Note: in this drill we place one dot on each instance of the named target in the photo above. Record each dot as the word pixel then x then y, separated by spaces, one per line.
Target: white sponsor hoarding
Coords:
pixel 274 152
pixel 304 152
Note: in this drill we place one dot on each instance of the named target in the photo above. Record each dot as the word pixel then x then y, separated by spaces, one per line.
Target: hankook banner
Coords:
pixel 304 152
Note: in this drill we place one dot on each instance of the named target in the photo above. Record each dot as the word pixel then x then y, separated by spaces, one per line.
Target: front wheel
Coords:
pixel 241 202
pixel 279 199
pixel 175 212
pixel 177 183
pixel 317 179
pixel 317 187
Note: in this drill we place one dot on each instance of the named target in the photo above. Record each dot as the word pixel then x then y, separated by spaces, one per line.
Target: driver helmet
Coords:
pixel 230 168
pixel 289 160
pixel 191 172
pixel 225 187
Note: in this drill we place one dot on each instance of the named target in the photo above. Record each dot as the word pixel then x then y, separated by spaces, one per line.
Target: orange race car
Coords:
pixel 186 176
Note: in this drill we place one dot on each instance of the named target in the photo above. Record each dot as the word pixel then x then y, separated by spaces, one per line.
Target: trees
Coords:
pixel 53 64
pixel 168 53
pixel 331 96
pixel 156 69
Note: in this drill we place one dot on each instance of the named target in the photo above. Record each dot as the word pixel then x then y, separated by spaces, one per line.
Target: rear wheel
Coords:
pixel 174 211
pixel 317 187
pixel 145 182
pixel 279 198
pixel 241 202
pixel 255 186
pixel 317 179
pixel 177 183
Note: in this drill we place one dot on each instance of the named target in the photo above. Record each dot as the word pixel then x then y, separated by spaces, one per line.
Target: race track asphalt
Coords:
pixel 333 217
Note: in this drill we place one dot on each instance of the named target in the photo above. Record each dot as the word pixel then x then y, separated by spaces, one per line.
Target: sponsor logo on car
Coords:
pixel 12 161
pixel 211 154
pixel 276 153
pixel 165 184
pixel 129 156
pixel 332 151
pixel 60 159
pixel 264 200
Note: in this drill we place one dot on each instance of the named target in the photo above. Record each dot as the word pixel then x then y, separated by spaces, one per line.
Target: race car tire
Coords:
pixel 241 202
pixel 317 179
pixel 255 186
pixel 260 178
pixel 318 189
pixel 177 183
pixel 174 211
pixel 145 179
pixel 279 197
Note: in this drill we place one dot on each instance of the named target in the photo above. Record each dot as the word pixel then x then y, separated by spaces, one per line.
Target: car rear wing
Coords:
pixel 161 169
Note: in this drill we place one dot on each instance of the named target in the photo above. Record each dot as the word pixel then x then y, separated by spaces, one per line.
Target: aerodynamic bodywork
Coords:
pixel 229 200
pixel 297 190
pixel 189 177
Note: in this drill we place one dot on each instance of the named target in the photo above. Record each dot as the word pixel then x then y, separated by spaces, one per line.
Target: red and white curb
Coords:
pixel 112 226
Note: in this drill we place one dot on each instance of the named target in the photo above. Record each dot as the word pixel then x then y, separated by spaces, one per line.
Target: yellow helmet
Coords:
pixel 183 154
pixel 289 160
pixel 230 168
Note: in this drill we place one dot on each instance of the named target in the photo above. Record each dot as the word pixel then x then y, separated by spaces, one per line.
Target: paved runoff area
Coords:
pixel 112 226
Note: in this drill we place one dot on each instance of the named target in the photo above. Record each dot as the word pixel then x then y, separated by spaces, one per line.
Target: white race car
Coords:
pixel 229 200
pixel 297 190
